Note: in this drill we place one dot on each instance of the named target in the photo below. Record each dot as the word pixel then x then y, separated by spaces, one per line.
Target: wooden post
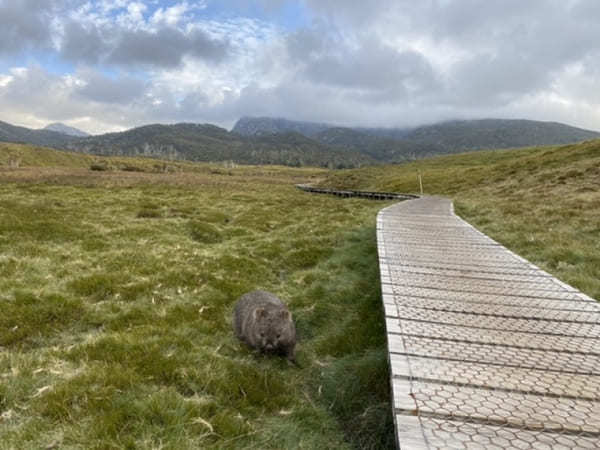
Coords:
pixel 420 182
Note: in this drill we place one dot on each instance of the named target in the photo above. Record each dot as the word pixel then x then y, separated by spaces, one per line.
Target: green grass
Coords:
pixel 117 289
pixel 542 203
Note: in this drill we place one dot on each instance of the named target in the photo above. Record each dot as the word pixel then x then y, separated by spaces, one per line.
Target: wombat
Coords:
pixel 263 322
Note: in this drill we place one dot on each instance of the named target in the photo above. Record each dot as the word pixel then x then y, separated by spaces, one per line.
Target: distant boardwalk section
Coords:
pixel 352 193
pixel 486 350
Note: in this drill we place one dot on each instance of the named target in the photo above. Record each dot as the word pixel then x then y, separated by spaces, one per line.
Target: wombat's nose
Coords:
pixel 269 346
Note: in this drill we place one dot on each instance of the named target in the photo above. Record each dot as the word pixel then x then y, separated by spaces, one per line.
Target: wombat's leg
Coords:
pixel 291 354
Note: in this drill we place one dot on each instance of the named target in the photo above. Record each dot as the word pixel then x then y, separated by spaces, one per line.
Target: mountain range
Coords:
pixel 204 142
pixel 265 140
pixel 396 144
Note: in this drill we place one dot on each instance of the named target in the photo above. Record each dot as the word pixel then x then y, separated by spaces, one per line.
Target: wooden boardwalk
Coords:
pixel 352 193
pixel 486 350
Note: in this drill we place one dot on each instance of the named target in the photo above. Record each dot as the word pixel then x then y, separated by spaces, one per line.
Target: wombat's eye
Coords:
pixel 278 336
pixel 262 334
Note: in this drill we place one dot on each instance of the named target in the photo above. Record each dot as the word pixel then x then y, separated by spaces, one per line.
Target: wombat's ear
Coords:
pixel 285 314
pixel 260 312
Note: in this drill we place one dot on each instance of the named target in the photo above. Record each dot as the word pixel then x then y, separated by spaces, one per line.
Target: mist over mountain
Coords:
pixel 387 144
pixel 66 129
pixel 256 126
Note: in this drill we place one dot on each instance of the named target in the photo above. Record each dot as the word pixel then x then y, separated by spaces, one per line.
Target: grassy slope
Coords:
pixel 28 155
pixel 543 203
pixel 117 288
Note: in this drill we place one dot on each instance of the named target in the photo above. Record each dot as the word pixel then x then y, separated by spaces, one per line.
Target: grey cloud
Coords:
pixel 492 81
pixel 377 62
pixel 504 51
pixel 100 88
pixel 36 93
pixel 23 24
pixel 36 24
pixel 34 82
pixel 475 20
pixel 306 43
pixel 517 53
pixel 165 47
pixel 378 72
pixel 356 13
pixel 83 44
pixel 377 68
pixel 550 31
pixel 194 102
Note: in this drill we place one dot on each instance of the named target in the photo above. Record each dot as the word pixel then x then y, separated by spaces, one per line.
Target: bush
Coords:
pixel 130 168
pixel 204 232
pixel 148 213
pixel 99 166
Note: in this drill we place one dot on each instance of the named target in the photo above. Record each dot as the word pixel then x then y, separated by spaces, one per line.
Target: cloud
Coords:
pixel 132 40
pixel 34 97
pixel 84 44
pixel 97 87
pixel 24 24
pixel 374 62
pixel 165 47
pixel 173 15
pixel 368 68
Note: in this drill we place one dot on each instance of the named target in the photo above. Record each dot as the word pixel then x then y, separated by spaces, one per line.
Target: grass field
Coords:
pixel 543 203
pixel 117 290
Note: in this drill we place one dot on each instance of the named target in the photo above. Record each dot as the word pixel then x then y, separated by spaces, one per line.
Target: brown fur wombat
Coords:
pixel 263 322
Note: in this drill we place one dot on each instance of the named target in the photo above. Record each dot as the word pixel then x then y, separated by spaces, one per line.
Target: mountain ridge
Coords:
pixel 450 136
pixel 44 138
pixel 393 145
pixel 281 141
pixel 209 143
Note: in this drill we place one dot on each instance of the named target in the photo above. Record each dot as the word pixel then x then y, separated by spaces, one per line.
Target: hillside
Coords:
pixel 24 155
pixel 397 144
pixel 383 149
pixel 256 126
pixel 464 135
pixel 45 138
pixel 543 203
pixel 194 142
